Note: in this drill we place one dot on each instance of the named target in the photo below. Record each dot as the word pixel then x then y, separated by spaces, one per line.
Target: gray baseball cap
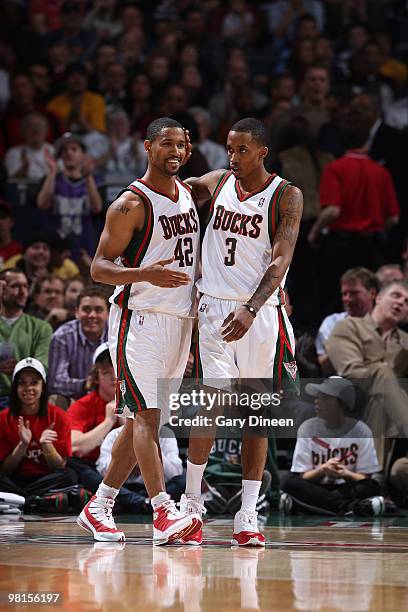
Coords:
pixel 336 386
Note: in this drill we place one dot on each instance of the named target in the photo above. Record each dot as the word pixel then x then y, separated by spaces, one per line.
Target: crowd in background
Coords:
pixel 79 83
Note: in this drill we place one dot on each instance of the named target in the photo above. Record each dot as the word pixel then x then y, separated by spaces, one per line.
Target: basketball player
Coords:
pixel 243 328
pixel 148 249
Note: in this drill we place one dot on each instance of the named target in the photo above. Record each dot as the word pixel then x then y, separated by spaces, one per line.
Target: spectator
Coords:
pixel 131 48
pixel 358 204
pixel 34 442
pixel 74 343
pixel 114 87
pixel 366 76
pixel 357 37
pixel 373 351
pixel 35 260
pixel 8 247
pixel 283 16
pixel 48 300
pixel 21 104
pixel 29 160
pixel 40 75
pixel 334 458
pixel 126 158
pixel 396 115
pixel 358 287
pixel 133 497
pixel 20 334
pixel 389 273
pixel 79 109
pixel 71 195
pixel 140 102
pixel 214 153
pixel 61 263
pixel 73 288
pixel 174 100
pixel 81 42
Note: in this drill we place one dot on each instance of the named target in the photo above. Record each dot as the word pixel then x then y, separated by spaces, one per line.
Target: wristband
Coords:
pixel 251 309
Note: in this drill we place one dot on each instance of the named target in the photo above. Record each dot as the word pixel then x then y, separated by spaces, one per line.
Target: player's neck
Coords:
pixel 254 181
pixel 161 182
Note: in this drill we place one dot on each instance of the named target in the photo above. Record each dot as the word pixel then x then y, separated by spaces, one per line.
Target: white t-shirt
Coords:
pixel 37 165
pixel 325 330
pixel 353 443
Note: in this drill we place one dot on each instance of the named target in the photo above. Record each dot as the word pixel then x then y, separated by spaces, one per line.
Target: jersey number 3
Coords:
pixel 231 243
pixel 184 258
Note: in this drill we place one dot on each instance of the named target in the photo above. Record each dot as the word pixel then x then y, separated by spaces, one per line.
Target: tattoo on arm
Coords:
pixel 121 208
pixel 288 226
pixel 287 231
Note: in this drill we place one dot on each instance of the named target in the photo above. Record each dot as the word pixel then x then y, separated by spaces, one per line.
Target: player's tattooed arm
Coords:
pixel 121 208
pixel 290 214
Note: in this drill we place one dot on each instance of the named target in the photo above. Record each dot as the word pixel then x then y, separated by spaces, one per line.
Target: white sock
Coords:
pixel 158 499
pixel 194 478
pixel 105 491
pixel 250 493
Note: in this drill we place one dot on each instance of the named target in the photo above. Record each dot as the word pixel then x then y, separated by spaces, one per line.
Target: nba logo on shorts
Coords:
pixel 203 307
pixel 122 387
pixel 261 202
pixel 141 319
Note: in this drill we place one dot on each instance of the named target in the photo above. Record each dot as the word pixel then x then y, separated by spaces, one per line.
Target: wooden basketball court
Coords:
pixel 309 564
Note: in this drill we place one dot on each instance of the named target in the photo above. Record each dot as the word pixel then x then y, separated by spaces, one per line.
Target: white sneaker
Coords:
pixel 169 524
pixel 246 532
pixel 190 505
pixel 97 518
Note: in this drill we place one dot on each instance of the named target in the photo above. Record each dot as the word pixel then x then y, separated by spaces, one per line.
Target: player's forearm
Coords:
pixel 271 280
pixel 13 460
pixel 106 271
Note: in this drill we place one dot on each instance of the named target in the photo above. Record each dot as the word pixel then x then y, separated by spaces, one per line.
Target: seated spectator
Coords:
pixel 74 343
pixel 21 335
pixel 47 300
pixel 79 109
pixel 389 273
pixel 34 442
pixel 73 288
pixel 8 246
pixel 34 262
pixel 334 458
pixel 399 474
pixel 358 288
pixel 80 41
pixel 71 195
pixel 114 87
pixel 214 153
pixel 29 160
pixel 61 263
pixel 373 351
pixel 133 497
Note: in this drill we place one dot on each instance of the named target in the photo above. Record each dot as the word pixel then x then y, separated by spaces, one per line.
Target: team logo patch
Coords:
pixel 291 368
pixel 122 387
pixel 261 202
pixel 203 307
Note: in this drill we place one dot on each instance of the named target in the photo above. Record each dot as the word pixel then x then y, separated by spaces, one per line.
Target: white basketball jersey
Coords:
pixel 171 228
pixel 237 245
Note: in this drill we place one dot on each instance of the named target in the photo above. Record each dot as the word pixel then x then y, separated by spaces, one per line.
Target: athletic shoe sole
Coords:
pixel 196 540
pixel 250 541
pixel 104 536
pixel 191 528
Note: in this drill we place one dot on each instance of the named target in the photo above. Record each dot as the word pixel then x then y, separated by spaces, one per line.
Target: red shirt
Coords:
pixel 362 189
pixel 85 414
pixel 33 463
pixel 13 248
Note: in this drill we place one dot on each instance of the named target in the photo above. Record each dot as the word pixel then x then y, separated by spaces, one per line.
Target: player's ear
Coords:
pixel 147 145
pixel 263 152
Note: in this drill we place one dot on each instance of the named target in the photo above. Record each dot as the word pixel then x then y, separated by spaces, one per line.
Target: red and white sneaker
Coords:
pixel 246 532
pixel 169 524
pixel 97 518
pixel 192 506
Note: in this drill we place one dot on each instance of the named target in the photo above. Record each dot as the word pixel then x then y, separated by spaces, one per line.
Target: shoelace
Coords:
pixel 250 519
pixel 103 512
pixel 194 506
pixel 169 505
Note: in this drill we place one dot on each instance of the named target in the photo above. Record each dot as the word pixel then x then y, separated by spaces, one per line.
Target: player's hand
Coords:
pixel 159 275
pixel 236 324
pixel 24 430
pixel 49 436
pixel 189 147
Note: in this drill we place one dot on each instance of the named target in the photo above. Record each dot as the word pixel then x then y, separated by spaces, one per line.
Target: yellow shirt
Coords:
pixel 69 269
pixel 92 108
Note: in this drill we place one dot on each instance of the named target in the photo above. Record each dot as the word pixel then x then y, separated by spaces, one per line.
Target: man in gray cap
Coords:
pixel 334 458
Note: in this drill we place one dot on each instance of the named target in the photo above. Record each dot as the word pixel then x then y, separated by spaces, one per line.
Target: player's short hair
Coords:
pixel 155 128
pixel 252 126
pixel 366 277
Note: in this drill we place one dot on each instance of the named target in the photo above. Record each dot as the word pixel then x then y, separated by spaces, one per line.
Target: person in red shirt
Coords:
pixel 358 208
pixel 35 441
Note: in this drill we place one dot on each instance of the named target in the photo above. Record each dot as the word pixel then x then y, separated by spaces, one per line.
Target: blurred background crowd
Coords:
pixel 79 83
